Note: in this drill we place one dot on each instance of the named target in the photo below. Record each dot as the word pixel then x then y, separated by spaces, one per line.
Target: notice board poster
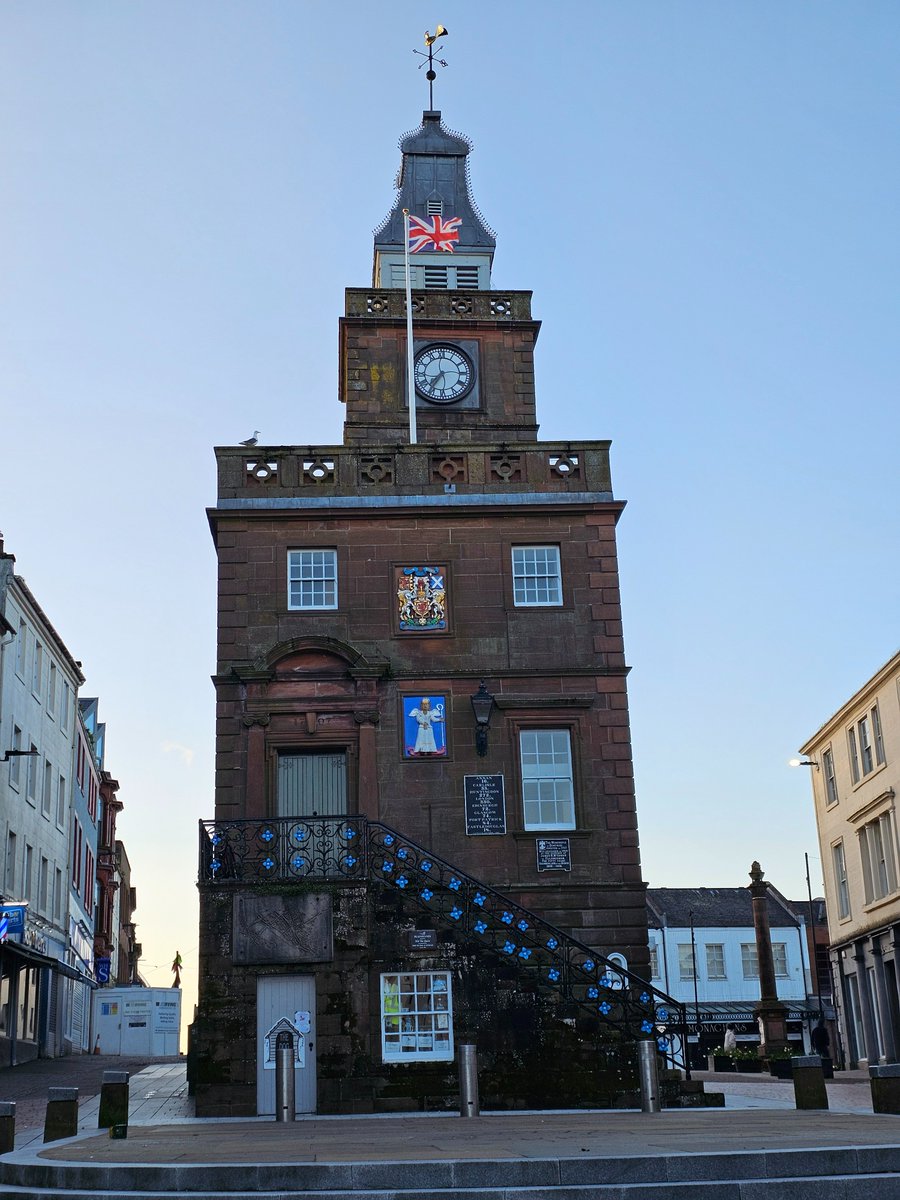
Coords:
pixel 485 805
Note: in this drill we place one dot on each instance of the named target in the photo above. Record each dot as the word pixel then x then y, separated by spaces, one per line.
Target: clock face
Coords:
pixel 443 374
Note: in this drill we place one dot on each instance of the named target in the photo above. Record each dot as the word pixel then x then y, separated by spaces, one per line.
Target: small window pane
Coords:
pixel 312 579
pixel 536 576
pixel 547 791
pixel 411 1027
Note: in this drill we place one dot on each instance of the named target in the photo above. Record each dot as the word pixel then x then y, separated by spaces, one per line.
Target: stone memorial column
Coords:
pixel 770 1013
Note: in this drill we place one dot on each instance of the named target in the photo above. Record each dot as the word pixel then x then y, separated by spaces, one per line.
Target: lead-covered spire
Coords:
pixel 433 183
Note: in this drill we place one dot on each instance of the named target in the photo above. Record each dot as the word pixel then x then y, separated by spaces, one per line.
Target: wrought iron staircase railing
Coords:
pixel 355 849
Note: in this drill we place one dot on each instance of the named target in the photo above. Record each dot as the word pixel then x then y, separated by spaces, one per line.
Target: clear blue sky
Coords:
pixel 704 199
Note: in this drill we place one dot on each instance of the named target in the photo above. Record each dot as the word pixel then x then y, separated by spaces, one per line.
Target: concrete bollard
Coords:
pixel 7 1126
pixel 62 1114
pixel 648 1074
pixel 468 1080
pixel 885 1084
pixel 113 1099
pixel 809 1081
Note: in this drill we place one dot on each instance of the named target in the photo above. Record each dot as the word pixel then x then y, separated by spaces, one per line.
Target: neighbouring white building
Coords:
pixel 703 953
pixel 39 681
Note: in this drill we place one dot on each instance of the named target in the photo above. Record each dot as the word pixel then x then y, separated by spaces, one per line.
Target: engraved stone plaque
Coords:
pixel 283 929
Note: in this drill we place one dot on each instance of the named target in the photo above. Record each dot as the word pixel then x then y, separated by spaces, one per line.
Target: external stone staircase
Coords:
pixel 359 850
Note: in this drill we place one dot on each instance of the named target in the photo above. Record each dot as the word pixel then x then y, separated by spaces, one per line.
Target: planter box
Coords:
pixel 749 1066
pixel 781 1068
pixel 720 1062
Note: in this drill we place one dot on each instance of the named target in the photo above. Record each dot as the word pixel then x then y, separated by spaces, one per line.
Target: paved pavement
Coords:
pixel 157 1090
pixel 759 1115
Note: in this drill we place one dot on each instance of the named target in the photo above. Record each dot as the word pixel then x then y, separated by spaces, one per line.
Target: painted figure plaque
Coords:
pixel 424 727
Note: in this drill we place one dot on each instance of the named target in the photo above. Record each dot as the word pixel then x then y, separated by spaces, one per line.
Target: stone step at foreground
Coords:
pixel 832 1187
pixel 829 1173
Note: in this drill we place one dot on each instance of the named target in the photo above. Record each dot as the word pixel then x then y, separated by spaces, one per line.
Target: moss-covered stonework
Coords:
pixel 532 1052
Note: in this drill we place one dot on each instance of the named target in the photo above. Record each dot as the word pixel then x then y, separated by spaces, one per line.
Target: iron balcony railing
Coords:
pixel 354 849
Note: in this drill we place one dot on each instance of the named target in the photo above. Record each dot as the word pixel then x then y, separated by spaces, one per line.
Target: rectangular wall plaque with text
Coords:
pixel 554 854
pixel 485 805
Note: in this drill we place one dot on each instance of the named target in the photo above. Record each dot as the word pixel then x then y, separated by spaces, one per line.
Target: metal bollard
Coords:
pixel 284 1078
pixel 468 1080
pixel 649 1076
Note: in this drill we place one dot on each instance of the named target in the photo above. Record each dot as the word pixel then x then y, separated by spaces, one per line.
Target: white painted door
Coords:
pixel 286 1003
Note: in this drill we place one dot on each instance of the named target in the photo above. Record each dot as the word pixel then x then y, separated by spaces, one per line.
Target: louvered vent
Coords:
pixel 435 277
pixel 467 277
pixel 434 208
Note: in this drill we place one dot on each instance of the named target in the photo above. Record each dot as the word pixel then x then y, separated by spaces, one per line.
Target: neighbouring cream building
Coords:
pixel 855 771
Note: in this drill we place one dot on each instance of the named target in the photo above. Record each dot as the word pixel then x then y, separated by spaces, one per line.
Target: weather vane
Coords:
pixel 430 74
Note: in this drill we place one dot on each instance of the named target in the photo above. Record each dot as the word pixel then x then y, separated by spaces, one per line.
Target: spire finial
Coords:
pixel 430 74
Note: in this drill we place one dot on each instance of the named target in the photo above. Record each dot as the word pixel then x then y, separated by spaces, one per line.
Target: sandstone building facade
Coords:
pixel 425 828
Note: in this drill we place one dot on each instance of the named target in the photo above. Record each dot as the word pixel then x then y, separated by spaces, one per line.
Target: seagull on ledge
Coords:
pixel 251 441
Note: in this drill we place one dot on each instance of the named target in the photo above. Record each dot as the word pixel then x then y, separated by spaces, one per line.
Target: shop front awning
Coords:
pixel 33 958
pixel 740 1012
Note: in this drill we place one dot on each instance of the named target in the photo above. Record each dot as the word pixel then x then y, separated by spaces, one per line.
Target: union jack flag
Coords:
pixel 433 233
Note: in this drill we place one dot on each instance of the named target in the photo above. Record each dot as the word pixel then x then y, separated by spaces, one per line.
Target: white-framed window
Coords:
pixel 654 961
pixel 879 857
pixel 831 792
pixel 749 961
pixel 779 959
pixel 15 763
pixel 715 960
pixel 548 794
pixel 312 579
pixel 43 885
pixel 31 789
pixel 537 579
pixel 841 883
pixel 21 649
pixel 27 872
pixel 866 745
pixel 10 873
pixel 685 960
pixel 51 690
pixel 37 673
pixel 47 790
pixel 62 801
pixel 416 1016
pixel 64 706
pixel 877 736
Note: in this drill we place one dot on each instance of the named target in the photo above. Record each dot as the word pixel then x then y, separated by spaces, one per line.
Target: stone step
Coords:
pixel 831 1187
pixel 834 1173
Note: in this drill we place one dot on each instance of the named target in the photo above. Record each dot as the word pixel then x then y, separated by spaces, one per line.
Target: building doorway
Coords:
pixel 286 1004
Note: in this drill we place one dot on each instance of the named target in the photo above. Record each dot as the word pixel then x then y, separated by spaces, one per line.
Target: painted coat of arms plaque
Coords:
pixel 421 599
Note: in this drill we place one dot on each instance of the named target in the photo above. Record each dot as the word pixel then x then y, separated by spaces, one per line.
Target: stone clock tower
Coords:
pixel 425 827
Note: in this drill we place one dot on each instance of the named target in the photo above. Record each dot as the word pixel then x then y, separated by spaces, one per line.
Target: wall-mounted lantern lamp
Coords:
pixel 482 707
pixel 8 754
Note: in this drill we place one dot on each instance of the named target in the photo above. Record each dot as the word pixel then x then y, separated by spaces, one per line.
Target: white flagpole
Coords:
pixel 410 379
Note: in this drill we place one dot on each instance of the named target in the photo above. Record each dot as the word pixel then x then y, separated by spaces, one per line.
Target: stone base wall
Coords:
pixel 532 1051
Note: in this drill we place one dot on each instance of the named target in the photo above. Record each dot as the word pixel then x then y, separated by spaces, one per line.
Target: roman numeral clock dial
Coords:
pixel 443 374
